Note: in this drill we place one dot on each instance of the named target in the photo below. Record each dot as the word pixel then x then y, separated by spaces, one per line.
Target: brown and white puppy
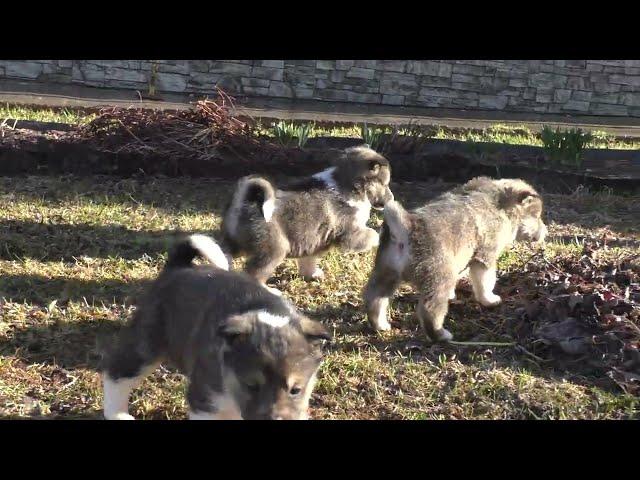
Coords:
pixel 431 246
pixel 305 219
pixel 248 354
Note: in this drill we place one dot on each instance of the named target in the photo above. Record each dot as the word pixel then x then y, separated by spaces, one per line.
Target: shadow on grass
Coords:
pixel 66 345
pixel 46 242
pixel 41 291
pixel 171 195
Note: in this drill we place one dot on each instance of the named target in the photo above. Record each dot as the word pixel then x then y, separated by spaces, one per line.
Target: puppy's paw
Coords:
pixel 443 335
pixel 317 274
pixel 382 326
pixel 380 323
pixel 491 300
pixel 120 416
pixel 275 291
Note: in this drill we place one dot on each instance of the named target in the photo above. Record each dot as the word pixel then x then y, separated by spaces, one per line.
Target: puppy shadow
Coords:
pixel 55 242
pixel 171 195
pixel 40 291
pixel 65 345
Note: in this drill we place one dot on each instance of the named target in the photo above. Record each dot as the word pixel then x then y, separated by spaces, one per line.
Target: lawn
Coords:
pixel 75 252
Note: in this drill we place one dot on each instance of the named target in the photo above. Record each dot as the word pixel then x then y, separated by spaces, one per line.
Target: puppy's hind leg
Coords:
pixel 432 310
pixel 308 268
pixel 381 286
pixel 263 263
pixel 483 281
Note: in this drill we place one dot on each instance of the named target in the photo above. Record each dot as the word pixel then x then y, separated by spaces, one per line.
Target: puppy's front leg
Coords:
pixel 483 281
pixel 361 240
pixel 209 401
pixel 225 411
pixel 117 387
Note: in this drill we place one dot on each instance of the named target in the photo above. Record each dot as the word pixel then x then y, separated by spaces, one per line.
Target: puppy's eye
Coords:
pixel 253 387
pixel 295 391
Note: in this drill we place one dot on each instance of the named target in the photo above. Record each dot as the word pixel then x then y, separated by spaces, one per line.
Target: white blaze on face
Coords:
pixel 275 321
pixel 326 176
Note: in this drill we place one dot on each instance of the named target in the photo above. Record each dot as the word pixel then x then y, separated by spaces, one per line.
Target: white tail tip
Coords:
pixel 210 250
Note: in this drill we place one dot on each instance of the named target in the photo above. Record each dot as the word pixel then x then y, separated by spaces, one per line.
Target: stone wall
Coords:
pixel 586 87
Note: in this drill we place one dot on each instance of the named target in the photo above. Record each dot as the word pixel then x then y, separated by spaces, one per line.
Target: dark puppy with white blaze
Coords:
pixel 305 219
pixel 432 246
pixel 248 354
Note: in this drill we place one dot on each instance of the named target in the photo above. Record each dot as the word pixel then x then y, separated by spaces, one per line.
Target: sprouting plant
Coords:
pixel 302 132
pixel 417 132
pixel 565 147
pixel 288 133
pixel 284 132
pixel 370 136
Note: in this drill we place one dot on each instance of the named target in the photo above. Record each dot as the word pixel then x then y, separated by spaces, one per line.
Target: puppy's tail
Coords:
pixel 185 251
pixel 250 190
pixel 397 221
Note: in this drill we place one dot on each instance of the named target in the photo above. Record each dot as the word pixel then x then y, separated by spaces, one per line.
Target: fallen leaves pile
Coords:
pixel 587 310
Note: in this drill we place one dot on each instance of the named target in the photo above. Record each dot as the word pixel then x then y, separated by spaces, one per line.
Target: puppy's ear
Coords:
pixel 236 326
pixel 313 330
pixel 526 198
pixel 512 198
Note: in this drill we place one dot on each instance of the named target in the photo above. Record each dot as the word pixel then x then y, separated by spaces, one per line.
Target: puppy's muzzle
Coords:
pixel 388 197
pixel 541 234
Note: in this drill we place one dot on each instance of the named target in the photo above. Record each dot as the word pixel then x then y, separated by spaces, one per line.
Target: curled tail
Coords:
pixel 250 190
pixel 185 251
pixel 397 220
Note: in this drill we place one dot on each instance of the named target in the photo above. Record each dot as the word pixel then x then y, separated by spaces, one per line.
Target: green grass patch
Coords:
pixel 17 112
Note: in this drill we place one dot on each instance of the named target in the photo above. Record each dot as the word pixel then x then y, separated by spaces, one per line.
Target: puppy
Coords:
pixel 433 245
pixel 305 219
pixel 246 352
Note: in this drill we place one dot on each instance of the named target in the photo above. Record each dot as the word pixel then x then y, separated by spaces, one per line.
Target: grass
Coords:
pixel 17 112
pixel 75 252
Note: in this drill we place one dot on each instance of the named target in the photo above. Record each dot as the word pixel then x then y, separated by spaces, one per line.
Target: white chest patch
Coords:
pixel 326 176
pixel 275 321
pixel 363 211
